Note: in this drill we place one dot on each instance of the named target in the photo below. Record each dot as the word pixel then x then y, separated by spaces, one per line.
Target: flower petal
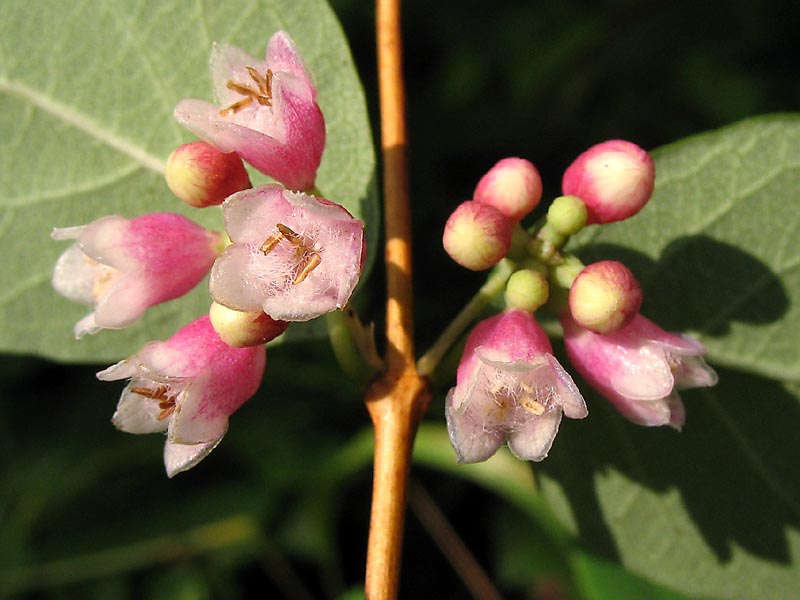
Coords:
pixel 182 457
pixel 533 440
pixel 470 439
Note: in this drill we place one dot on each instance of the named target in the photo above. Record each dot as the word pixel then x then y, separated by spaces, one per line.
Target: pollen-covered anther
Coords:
pixel 262 95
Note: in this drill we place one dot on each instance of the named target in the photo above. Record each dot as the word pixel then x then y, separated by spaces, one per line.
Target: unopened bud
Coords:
pixel 513 186
pixel 604 297
pixel 242 329
pixel 567 215
pixel 615 179
pixel 201 175
pixel 477 236
pixel 527 290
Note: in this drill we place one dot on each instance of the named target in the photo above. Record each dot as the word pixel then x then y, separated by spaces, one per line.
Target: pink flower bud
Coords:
pixel 293 256
pixel 477 236
pixel 121 267
pixel 509 388
pixel 187 386
pixel 267 112
pixel 241 329
pixel 615 179
pixel 201 175
pixel 513 186
pixel 604 297
pixel 638 368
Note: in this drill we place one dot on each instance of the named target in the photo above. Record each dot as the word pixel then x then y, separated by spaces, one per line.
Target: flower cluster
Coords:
pixel 509 386
pixel 287 256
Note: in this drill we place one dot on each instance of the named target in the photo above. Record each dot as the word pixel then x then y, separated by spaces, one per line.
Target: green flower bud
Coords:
pixel 567 215
pixel 527 290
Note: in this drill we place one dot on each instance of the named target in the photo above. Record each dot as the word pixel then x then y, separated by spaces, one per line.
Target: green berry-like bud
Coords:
pixel 567 215
pixel 242 329
pixel 201 175
pixel 477 236
pixel 527 290
pixel 605 297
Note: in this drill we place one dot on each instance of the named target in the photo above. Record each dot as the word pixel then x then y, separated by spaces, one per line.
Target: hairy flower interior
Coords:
pixel 261 94
pixel 166 402
pixel 308 258
pixel 515 399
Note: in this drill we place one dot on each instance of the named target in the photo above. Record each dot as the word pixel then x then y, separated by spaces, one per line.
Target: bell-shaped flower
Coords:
pixel 509 388
pixel 639 368
pixel 187 386
pixel 121 266
pixel 294 256
pixel 266 111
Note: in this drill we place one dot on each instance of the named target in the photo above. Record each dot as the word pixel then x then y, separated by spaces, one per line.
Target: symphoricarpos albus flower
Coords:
pixel 615 179
pixel 639 368
pixel 477 235
pixel 294 256
pixel 187 386
pixel 121 266
pixel 267 112
pixel 509 388
pixel 202 175
pixel 513 186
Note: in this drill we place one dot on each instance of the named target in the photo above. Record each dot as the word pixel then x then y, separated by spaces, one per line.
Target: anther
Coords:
pixel 311 262
pixel 160 393
pixel 289 234
pixel 271 242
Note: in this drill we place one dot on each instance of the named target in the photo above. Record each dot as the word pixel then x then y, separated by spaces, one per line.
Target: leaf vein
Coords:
pixel 81 122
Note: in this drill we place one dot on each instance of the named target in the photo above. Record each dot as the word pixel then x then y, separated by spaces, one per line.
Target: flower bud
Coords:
pixel 615 179
pixel 242 329
pixel 604 297
pixel 513 186
pixel 477 236
pixel 526 290
pixel 201 175
pixel 567 215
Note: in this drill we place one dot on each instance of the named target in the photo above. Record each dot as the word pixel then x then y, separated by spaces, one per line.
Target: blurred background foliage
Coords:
pixel 281 508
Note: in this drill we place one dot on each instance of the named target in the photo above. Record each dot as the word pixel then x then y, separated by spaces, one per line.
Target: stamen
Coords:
pixel 235 107
pixel 271 242
pixel 160 393
pixel 244 90
pixel 262 95
pixel 311 262
pixel 529 403
pixel 166 412
pixel 290 235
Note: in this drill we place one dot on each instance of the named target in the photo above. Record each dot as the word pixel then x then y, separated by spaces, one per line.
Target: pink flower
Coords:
pixel 187 386
pixel 294 256
pixel 121 266
pixel 509 387
pixel 638 368
pixel 267 113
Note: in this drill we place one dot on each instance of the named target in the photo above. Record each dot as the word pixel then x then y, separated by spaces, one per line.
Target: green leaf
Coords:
pixel 86 98
pixel 716 248
pixel 712 511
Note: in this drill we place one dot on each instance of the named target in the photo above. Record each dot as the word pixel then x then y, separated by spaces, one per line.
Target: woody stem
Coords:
pixel 399 397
